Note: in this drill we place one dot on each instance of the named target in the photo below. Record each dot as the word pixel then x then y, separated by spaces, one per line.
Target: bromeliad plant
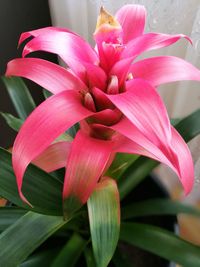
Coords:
pixel 119 112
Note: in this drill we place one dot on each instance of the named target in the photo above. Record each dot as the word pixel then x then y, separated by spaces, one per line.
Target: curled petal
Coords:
pixel 184 161
pixel 140 144
pixel 95 76
pixel 164 69
pixel 173 153
pixel 132 19
pixel 46 122
pixel 71 48
pixel 150 41
pixel 48 75
pixel 41 31
pixel 86 163
pixel 142 105
pixel 53 157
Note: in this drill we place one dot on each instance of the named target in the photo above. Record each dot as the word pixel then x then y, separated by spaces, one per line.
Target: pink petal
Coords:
pixel 86 163
pixel 126 145
pixel 142 105
pixel 185 162
pixel 41 31
pixel 151 130
pixel 106 117
pixel 95 76
pixel 53 157
pixel 109 54
pixel 46 122
pixel 71 48
pixel 132 19
pixel 160 70
pixel 176 155
pixel 148 42
pixel 141 145
pixel 48 75
pixel 121 69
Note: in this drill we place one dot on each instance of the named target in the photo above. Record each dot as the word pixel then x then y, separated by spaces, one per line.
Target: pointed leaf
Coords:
pixel 134 174
pixel 158 207
pixel 48 124
pixel 164 69
pixel 20 96
pixel 12 121
pixel 49 75
pixel 43 190
pixel 161 242
pixel 86 163
pixel 41 31
pixel 104 218
pixel 150 41
pixel 71 252
pixel 26 234
pixel 70 47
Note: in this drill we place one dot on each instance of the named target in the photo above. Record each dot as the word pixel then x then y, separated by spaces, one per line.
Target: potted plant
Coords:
pixel 82 150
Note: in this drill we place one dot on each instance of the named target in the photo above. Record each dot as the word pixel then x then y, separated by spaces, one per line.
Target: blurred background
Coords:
pixel 169 16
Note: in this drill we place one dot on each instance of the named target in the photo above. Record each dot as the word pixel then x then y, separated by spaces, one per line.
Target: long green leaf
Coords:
pixel 20 96
pixel 89 257
pixel 71 252
pixel 43 258
pixel 157 207
pixel 134 174
pixel 23 237
pixel 12 121
pixel 42 190
pixel 189 127
pixel 121 259
pixel 162 243
pixel 9 215
pixel 121 162
pixel 103 208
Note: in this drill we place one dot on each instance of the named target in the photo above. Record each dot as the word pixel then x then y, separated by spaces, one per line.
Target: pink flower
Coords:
pixel 114 99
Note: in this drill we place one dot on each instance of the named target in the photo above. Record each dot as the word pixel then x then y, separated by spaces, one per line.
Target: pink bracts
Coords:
pixel 113 97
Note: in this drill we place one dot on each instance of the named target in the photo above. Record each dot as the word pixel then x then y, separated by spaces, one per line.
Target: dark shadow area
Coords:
pixel 17 17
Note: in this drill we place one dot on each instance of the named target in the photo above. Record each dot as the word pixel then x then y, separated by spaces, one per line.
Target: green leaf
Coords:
pixel 43 258
pixel 42 190
pixel 162 243
pixel 9 215
pixel 73 130
pixel 121 162
pixel 20 96
pixel 23 237
pixel 157 207
pixel 46 93
pixel 12 121
pixel 120 259
pixel 89 257
pixel 189 127
pixel 104 210
pixel 134 174
pixel 70 253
